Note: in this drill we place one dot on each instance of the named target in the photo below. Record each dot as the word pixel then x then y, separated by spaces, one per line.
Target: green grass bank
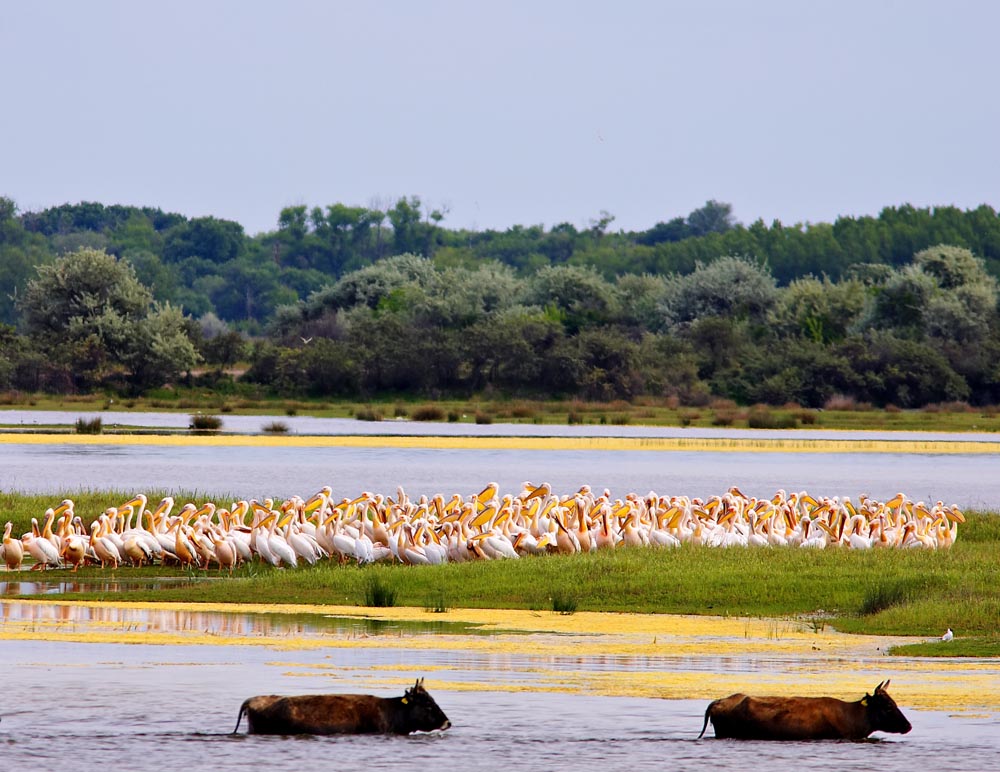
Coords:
pixel 892 592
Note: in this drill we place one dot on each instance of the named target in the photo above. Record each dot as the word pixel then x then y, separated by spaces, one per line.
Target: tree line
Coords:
pixel 897 309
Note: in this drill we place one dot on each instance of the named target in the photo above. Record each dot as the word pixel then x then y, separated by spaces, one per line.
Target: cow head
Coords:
pixel 883 713
pixel 422 713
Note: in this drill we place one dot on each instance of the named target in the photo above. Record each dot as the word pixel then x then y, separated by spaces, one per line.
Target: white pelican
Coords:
pixel 74 550
pixel 225 550
pixel 857 539
pixel 497 546
pixel 41 549
pixel 13 550
pixel 105 549
pixel 279 547
pixel 183 549
pixel 566 541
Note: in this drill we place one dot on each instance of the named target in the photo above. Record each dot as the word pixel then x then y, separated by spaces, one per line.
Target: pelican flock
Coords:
pixel 488 525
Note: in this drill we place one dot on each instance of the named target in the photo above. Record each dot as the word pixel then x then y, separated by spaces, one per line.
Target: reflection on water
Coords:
pixel 75 619
pixel 45 587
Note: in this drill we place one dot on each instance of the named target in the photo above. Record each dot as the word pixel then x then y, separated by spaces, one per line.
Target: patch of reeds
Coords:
pixel 522 411
pixel 841 402
pixel 761 418
pixel 884 596
pixel 688 417
pixel 379 593
pixel 205 422
pixel 92 426
pixel 806 417
pixel 564 604
pixel 428 413
pixel 275 427
pixel 368 414
pixel 724 418
pixel 483 418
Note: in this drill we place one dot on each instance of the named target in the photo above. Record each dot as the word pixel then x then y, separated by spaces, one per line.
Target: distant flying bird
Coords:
pixel 305 341
pixel 948 635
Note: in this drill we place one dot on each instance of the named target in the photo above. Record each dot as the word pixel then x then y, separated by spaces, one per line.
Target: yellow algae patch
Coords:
pixel 626 634
pixel 638 655
pixel 687 444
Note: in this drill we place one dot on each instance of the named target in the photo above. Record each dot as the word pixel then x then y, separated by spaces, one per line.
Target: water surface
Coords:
pixel 139 706
pixel 970 481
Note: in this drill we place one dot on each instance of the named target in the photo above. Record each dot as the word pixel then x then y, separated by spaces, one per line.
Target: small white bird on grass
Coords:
pixel 948 635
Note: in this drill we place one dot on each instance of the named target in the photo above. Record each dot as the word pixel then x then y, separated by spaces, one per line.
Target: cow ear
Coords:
pixel 864 701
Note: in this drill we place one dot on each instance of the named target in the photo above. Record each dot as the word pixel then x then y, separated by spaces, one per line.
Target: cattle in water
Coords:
pixel 742 717
pixel 415 711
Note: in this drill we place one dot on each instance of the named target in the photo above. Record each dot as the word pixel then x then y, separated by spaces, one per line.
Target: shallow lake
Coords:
pixel 969 480
pixel 136 706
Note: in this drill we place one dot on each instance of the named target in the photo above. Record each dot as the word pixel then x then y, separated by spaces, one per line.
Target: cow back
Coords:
pixel 319 714
pixel 787 718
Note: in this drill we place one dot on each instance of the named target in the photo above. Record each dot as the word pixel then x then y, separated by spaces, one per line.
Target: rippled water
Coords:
pixel 139 707
pixel 967 480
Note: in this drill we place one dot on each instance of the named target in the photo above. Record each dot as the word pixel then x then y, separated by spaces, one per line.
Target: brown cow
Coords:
pixel 344 713
pixel 805 718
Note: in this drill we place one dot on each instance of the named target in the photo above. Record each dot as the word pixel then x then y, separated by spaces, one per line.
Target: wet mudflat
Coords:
pixel 146 687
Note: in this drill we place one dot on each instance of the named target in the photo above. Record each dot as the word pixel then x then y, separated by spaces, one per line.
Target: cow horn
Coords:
pixel 879 687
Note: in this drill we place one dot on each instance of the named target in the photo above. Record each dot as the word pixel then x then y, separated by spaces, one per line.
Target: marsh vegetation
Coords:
pixel 890 592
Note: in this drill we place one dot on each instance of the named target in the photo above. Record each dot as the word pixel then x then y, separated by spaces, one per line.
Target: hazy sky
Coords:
pixel 505 113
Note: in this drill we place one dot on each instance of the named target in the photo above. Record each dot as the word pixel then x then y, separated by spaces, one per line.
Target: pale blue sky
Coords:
pixel 513 113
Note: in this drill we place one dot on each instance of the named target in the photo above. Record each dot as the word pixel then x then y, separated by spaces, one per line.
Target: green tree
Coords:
pixel 733 287
pixel 581 295
pixel 902 372
pixel 160 349
pixel 217 241
pixel 951 266
pixel 714 217
pixel 89 311
pixel 822 311
pixel 369 286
